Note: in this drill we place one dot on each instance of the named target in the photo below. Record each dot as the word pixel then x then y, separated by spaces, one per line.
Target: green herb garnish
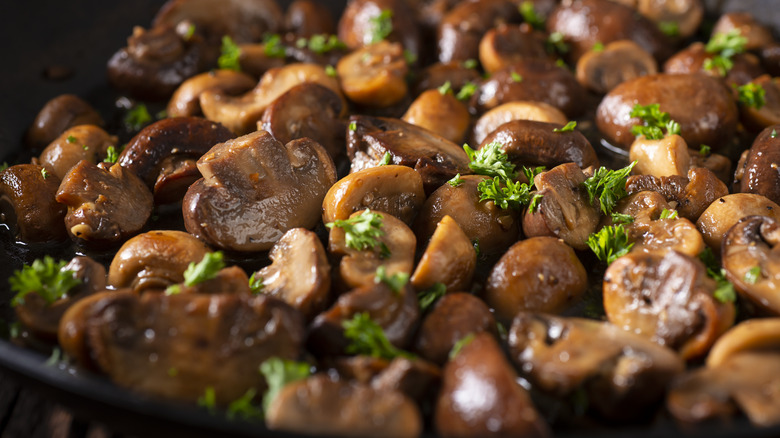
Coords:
pixel 704 150
pixel 256 283
pixel 353 126
pixel 620 218
pixel 46 278
pixel 71 139
pixel 273 47
pixel 321 44
pixel 112 155
pixel 491 161
pixel 530 16
pixel 137 117
pixel 280 372
pixel 516 77
pixel 387 158
pixel 752 95
pixel 466 91
pixel 381 25
pixel 655 122
pixel 669 28
pixel 567 128
pixel 455 181
pixel 446 88
pixel 331 71
pixel 598 47
pixel 724 46
pixel 469 63
pixel 367 338
pixel 208 400
pixel 244 408
pixel 229 56
pixel 724 292
pixel 668 214
pixel 608 186
pixel 752 276
pixel 363 231
pixel 462 342
pixel 555 43
pixel 609 243
pixel 44 173
pixel 429 296
pixel 205 270
pixel 396 282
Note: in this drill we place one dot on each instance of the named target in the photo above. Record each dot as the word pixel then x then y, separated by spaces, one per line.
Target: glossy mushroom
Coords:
pixel 186 99
pixel 441 113
pixel 618 62
pixel 505 44
pixel 28 206
pixel 463 27
pixel 515 110
pixel 449 259
pixel 56 116
pixel 357 26
pixel 727 210
pixel 760 168
pixel 374 75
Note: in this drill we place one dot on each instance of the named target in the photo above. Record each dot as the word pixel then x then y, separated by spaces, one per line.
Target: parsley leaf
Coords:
pixel 446 88
pixel 280 372
pixel 387 158
pixel 273 47
pixel 331 71
pixel 409 57
pixel 773 134
pixel 462 342
pixel 455 181
pixel 567 128
pixel 427 297
pixel 555 43
pixel 362 231
pixel 230 54
pixel 491 161
pixel 71 139
pixel 3 166
pixel 353 126
pixel 469 63
pixel 204 270
pixel 704 150
pixel 668 214
pixel 724 46
pixel 608 186
pixel 752 276
pixel 530 173
pixel 256 283
pixel 669 28
pixel 620 218
pixel 724 292
pixel 381 25
pixel 367 338
pixel 609 243
pixel 208 400
pixel 137 117
pixel 44 173
pixel 598 46
pixel 530 16
pixel 243 407
pixel 46 278
pixel 507 194
pixel 466 91
pixel 752 95
pixel 322 43
pixel 112 155
pixel 655 121
pixel 516 77
pixel 396 282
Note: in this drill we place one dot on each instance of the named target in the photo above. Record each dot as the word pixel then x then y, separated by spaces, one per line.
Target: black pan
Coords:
pixel 40 40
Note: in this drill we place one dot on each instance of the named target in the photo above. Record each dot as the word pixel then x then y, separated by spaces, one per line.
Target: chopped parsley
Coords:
pixel 555 43
pixel 724 292
pixel 655 122
pixel 205 270
pixel 530 16
pixel 278 373
pixel 609 243
pixel 490 160
pixel 466 91
pixel 381 25
pixel 508 194
pixel 44 173
pixel 620 218
pixel 516 77
pixel 208 400
pixel 455 181
pixel 704 150
pixel 387 158
pixel 331 71
pixel 429 296
pixel 752 95
pixel 752 276
pixel 352 126
pixel 273 47
pixel 668 214
pixel 229 56
pixel 598 47
pixel 446 88
pixel 321 44
pixel 567 128
pixel 71 139
pixel 363 231
pixel 409 57
pixel 45 277
pixel 137 117
pixel 396 282
pixel 367 338
pixel 470 63
pixel 462 342
pixel 723 47
pixel 244 408
pixel 608 186
pixel 112 155
pixel 256 283
pixel 669 28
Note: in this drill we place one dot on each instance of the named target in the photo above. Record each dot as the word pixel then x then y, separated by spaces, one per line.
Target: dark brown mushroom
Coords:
pixel 176 346
pixel 164 153
pixel 59 114
pixel 254 189
pixel 537 274
pixel 515 110
pixel 505 407
pixel 564 210
pixel 463 27
pixel 82 142
pixel 622 374
pixel 28 206
pixel 186 99
pixel 229 280
pixel 684 16
pixel 761 166
pixel 358 24
pixel 617 62
pixel 453 317
pixel 374 75
pixel 759 117
pixel 435 158
pixel 255 59
pixel 650 233
pixel 106 205
pixel 392 189
pixel 505 45
pixel 666 297
pixel 693 59
pixel 300 272
pixel 437 74
pixel 449 259
pixel 154 260
pixel 725 211
pixel 701 104
pixel 306 18
pixel 323 405
pixel 440 113
pixel 756 34
pixel 486 225
pixel 308 110
pixel 418 379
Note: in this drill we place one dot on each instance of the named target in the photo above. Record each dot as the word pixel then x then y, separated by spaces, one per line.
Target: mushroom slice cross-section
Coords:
pixel 254 189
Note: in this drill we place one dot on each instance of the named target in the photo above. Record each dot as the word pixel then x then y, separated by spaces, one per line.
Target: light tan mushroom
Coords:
pixel 374 75
pixel 441 113
pixel 753 334
pixel 516 110
pixel 663 157
pixel 186 99
pixel 449 259
pixel 725 211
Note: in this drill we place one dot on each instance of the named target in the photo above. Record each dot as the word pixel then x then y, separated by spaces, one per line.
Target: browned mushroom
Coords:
pixel 254 189
pixel 186 99
pixel 564 210
pixel 394 251
pixel 374 75
pixel 106 205
pixel 756 34
pixel 360 19
pixel 750 259
pixel 42 318
pixel 154 260
pixel 300 272
pixel 752 334
pixel 452 318
pixel 761 166
pixel 306 18
pixel 757 117
pixel 515 110
pixel 682 16
pixel 701 104
pixel 397 190
pixel 505 45
pixel 441 113
pixel 308 110
pixel 164 153
pixel 622 374
pixel 668 298
pixel 28 206
pixel 505 407
pixel 458 74
pixel 463 27
pixel 492 228
pixel 619 61
pixel 449 259
pixel 229 280
pixel 725 211
pixel 537 274
pixel 255 59
pixel 59 114
pixel 662 157
pixel 652 233
pixel 692 59
pixel 323 405
pixel 82 142
pixel 435 158
pixel 175 346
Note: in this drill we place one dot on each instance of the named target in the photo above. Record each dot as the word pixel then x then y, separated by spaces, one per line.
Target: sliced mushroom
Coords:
pixel 306 18
pixel 397 313
pixel 642 205
pixel 750 259
pixel 564 210
pixel 725 211
pixel 374 75
pixel 662 157
pixel 28 206
pixel 667 298
pixel 463 27
pixel 757 35
pixel 440 113
pixel 453 317
pixel 186 99
pixel 394 250
pixel 300 272
pixel 505 409
pixel 254 189
pixel 618 62
pixel 83 142
pixel 416 378
pixel 505 44
pixel 63 112
pixel 515 110
pixel 530 143
pixel 308 110
pixel 693 59
pixel 537 274
pixel 240 114
pixel 486 225
pixel 761 175
pixel 154 260
pixel 701 104
pixel 753 334
pixel 650 234
pixel 204 340
pixel 686 15
pixel 435 158
pixel 622 374
pixel 229 280
pixel 164 153
pixel 449 259
pixel 357 26
pixel 42 318
pixel 392 189
pixel 769 113
pixel 105 205
pixel 323 405
pixel 535 79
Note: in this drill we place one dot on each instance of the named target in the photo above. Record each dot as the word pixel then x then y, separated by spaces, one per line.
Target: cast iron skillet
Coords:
pixel 41 37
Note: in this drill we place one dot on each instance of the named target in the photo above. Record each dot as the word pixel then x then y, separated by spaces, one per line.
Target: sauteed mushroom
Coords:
pixel 725 211
pixel 618 62
pixel 374 75
pixel 59 114
pixel 462 28
pixel 441 113
pixel 186 99
pixel 306 18
pixel 515 110
pixel 82 142
pixel 27 204
pixel 449 259
pixel 760 174
pixel 358 24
